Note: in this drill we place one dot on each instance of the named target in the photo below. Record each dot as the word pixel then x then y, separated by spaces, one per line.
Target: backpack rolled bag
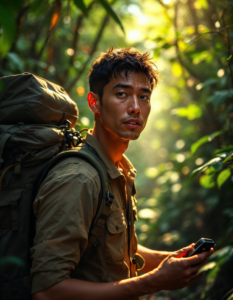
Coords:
pixel 36 131
pixel 33 112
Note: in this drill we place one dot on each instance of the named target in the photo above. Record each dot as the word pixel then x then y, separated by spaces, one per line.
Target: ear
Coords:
pixel 93 102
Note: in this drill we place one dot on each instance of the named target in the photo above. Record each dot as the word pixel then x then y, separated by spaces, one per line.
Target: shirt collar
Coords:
pixel 111 168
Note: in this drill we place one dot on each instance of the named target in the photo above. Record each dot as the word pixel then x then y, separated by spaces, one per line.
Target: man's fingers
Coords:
pixel 182 252
pixel 197 259
pixel 195 268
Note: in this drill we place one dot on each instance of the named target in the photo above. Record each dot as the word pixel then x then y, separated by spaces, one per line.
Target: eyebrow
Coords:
pixel 127 86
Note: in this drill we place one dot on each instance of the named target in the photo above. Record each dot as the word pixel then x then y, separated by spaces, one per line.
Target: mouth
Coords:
pixel 133 123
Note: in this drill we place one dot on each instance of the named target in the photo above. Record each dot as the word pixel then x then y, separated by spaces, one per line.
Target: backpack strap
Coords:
pixel 96 236
pixel 5 137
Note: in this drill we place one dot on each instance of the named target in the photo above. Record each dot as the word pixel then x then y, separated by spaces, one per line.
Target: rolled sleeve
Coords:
pixel 64 209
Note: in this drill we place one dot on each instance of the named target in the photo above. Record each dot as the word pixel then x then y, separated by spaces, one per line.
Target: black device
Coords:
pixel 201 245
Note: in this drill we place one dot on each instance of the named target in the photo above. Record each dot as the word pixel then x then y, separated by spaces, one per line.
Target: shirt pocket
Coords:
pixel 116 236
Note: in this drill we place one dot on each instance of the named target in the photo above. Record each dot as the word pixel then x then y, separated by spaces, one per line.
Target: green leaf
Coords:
pixel 204 139
pixel 213 135
pixel 80 4
pixel 9 30
pixel 207 267
pixel 219 96
pixel 229 57
pixel 223 176
pixel 207 181
pixel 159 39
pixel 166 46
pixel 222 255
pixel 223 252
pixel 15 62
pixel 225 149
pixel 112 13
pixel 197 144
pixel 212 162
pixel 228 158
pixel 217 165
pixel 230 295
pixel 209 81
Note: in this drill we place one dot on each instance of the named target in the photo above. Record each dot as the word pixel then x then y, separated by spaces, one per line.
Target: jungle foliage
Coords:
pixel 185 156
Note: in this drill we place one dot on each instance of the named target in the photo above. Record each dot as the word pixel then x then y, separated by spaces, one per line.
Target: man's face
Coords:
pixel 126 105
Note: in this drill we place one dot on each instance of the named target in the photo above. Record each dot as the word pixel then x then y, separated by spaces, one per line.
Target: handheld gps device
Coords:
pixel 201 245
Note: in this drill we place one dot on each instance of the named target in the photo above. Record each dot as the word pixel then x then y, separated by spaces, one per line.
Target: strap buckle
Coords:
pixel 109 198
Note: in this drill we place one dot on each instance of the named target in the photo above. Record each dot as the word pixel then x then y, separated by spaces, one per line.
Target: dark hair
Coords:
pixel 113 62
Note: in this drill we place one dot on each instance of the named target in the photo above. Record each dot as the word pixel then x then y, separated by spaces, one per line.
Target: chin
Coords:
pixel 130 136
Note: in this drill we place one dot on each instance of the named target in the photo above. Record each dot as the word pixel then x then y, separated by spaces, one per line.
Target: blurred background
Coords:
pixel 184 157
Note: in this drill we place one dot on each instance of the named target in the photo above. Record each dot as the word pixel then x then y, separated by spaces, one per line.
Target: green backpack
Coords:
pixel 36 132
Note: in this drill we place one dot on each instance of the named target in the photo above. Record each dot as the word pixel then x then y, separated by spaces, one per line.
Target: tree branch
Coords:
pixel 55 17
pixel 93 49
pixel 19 21
pixel 212 32
pixel 76 33
pixel 162 3
pixel 193 13
pixel 181 61
pixel 228 44
pixel 38 32
pixel 74 46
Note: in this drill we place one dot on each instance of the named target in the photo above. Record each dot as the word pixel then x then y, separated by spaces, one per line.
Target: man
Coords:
pixel 121 82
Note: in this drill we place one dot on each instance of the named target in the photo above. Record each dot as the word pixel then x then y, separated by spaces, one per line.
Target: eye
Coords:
pixel 145 98
pixel 121 94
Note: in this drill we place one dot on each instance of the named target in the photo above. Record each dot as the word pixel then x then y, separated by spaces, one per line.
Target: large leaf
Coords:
pixel 209 81
pixel 223 176
pixel 229 157
pixel 80 4
pixel 15 61
pixel 224 149
pixel 112 13
pixel 207 181
pixel 204 139
pixel 213 162
pixel 219 96
pixel 220 256
pixel 207 267
pixel 8 25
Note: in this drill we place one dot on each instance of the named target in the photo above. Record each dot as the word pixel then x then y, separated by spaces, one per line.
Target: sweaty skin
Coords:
pixel 120 117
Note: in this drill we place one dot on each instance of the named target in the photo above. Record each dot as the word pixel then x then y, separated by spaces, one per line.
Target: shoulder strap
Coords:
pixel 85 154
pixel 105 199
pixel 5 137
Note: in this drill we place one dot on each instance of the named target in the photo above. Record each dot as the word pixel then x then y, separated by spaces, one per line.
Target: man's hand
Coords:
pixel 177 271
pixel 173 273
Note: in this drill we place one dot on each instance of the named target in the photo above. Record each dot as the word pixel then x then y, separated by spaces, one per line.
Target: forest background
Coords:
pixel 184 157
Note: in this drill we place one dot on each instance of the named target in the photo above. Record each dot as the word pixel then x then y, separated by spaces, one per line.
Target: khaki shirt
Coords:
pixel 65 207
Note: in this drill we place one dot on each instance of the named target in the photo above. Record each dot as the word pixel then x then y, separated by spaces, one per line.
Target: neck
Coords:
pixel 113 145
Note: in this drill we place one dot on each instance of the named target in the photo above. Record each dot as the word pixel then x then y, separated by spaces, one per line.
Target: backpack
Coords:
pixel 36 132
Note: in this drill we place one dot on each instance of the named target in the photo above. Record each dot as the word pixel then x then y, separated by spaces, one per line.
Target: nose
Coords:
pixel 134 106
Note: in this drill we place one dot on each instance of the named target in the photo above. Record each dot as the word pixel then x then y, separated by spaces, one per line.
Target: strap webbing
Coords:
pixel 4 172
pixel 14 215
pixel 6 136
